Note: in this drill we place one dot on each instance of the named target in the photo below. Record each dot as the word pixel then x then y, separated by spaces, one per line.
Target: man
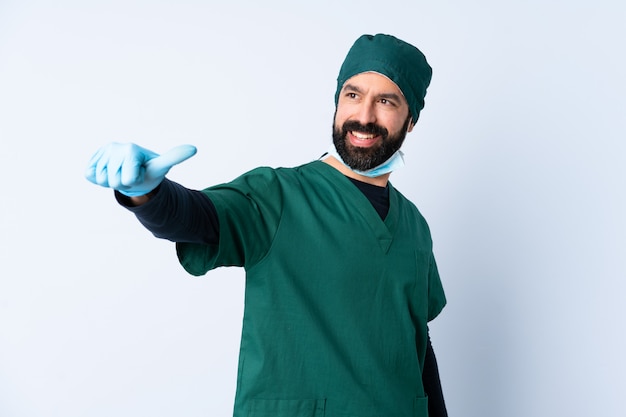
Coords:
pixel 339 290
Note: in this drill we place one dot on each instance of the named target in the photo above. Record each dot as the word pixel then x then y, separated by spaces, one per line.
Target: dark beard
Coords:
pixel 363 159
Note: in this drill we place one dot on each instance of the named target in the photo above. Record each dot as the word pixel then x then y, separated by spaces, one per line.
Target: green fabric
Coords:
pixel 336 300
pixel 399 61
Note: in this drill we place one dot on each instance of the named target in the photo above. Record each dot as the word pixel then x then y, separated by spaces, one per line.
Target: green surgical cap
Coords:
pixel 399 61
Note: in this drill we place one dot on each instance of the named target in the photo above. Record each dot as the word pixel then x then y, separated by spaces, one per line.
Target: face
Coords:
pixel 371 121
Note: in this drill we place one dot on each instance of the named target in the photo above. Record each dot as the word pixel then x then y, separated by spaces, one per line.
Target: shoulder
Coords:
pixel 403 201
pixel 272 173
pixel 266 182
pixel 310 171
pixel 408 211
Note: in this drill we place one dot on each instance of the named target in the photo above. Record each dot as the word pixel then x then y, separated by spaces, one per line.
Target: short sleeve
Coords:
pixel 436 294
pixel 249 210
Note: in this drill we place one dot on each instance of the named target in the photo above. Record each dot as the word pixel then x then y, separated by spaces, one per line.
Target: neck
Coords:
pixel 380 181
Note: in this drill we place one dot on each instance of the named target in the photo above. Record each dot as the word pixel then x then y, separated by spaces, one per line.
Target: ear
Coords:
pixel 411 124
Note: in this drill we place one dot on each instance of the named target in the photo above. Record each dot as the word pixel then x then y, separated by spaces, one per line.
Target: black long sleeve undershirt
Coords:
pixel 179 214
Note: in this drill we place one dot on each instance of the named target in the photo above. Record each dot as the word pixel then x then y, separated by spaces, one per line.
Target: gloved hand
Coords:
pixel 131 169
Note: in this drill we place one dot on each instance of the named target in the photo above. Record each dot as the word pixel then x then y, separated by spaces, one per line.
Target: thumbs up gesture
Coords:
pixel 131 169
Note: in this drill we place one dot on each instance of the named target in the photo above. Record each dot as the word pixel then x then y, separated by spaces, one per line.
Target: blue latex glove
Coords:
pixel 131 169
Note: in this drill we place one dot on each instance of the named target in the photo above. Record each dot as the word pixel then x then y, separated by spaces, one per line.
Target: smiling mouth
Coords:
pixel 363 136
pixel 363 139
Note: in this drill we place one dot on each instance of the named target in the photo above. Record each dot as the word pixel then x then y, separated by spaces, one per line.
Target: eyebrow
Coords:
pixel 352 87
pixel 387 96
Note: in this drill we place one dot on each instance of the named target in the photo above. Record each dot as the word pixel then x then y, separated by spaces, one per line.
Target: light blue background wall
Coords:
pixel 518 163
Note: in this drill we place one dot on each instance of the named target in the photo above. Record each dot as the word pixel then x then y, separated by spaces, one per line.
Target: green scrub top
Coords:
pixel 336 300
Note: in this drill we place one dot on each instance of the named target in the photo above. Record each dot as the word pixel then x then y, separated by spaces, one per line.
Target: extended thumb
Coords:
pixel 174 156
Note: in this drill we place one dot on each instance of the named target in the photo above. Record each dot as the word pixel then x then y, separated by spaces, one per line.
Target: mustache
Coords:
pixel 372 128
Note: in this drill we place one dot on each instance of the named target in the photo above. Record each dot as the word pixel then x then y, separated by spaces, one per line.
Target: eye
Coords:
pixel 387 102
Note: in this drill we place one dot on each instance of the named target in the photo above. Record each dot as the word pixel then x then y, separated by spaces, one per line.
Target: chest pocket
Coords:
pixel 287 408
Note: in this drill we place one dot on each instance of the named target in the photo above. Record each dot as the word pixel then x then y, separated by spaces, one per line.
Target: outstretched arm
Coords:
pixel 176 213
pixel 138 177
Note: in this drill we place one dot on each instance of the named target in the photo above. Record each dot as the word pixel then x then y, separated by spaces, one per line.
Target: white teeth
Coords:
pixel 363 136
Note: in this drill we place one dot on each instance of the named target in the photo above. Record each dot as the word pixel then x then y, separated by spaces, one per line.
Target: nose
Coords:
pixel 366 113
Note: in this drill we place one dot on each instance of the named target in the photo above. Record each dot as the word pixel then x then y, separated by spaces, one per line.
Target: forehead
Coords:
pixel 373 82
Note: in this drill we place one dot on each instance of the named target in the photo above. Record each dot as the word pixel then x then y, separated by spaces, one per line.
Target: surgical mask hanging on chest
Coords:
pixel 396 161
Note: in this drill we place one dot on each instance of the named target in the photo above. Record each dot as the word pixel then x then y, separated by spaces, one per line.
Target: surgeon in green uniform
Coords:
pixel 339 290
